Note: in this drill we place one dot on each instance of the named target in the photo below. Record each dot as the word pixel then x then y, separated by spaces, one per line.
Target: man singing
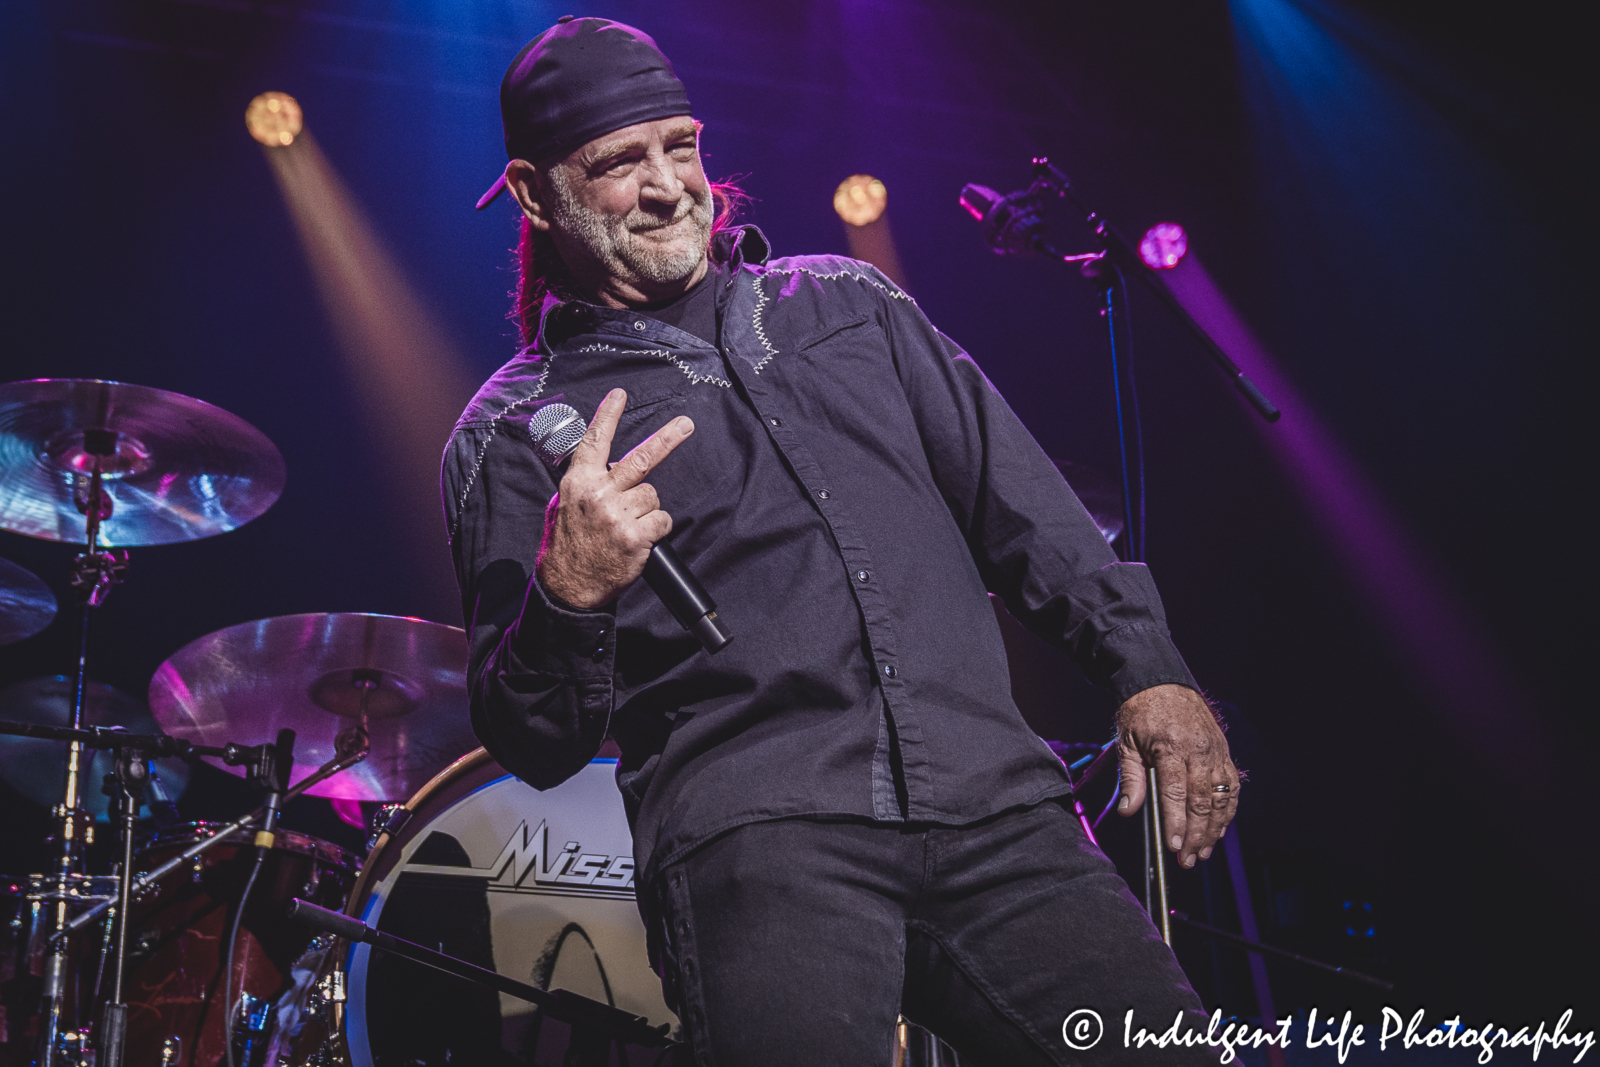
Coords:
pixel 841 816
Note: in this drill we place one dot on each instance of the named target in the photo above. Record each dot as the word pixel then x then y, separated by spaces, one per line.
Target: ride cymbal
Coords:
pixel 320 675
pixel 174 468
pixel 26 604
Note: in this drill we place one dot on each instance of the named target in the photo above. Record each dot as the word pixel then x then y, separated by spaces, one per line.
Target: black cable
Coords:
pixel 1133 408
pixel 227 967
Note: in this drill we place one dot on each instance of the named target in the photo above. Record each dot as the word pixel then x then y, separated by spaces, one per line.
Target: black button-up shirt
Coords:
pixel 853 487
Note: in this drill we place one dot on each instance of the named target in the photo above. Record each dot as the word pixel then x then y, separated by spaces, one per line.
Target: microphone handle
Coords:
pixel 685 597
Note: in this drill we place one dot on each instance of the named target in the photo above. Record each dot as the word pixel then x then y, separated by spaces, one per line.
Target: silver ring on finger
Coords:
pixel 1223 788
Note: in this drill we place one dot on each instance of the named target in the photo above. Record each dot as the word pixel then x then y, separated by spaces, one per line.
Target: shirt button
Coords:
pixel 862 576
pixel 823 494
pixel 776 422
pixel 889 671
pixel 639 324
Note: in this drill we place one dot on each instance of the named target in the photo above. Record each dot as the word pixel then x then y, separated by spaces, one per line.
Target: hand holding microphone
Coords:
pixel 604 527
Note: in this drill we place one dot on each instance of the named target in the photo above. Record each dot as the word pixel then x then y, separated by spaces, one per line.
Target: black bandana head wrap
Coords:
pixel 580 79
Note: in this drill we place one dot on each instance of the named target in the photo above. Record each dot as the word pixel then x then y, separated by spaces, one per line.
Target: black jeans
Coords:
pixel 798 941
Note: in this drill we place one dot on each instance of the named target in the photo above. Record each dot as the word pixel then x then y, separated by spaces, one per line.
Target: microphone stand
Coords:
pixel 1011 224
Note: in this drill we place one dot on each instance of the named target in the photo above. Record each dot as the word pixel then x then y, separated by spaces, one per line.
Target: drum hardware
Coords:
pixel 134 466
pixel 388 819
pixel 31 765
pixel 268 761
pixel 248 1027
pixel 596 1026
pixel 143 882
pixel 270 770
pixel 269 765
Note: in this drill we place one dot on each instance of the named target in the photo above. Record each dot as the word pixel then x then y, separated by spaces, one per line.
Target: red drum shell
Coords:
pixel 178 933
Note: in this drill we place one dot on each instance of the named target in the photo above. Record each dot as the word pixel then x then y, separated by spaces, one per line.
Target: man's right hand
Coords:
pixel 600 525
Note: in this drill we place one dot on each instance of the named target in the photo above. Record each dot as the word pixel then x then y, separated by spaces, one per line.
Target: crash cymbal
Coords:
pixel 38 769
pixel 318 675
pixel 1101 496
pixel 174 468
pixel 26 604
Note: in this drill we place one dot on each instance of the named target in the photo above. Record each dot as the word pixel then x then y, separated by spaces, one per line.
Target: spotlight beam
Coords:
pixel 1434 630
pixel 411 382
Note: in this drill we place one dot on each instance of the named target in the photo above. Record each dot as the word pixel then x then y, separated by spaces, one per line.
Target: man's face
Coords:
pixel 631 211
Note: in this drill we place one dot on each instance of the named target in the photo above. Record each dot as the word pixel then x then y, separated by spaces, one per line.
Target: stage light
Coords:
pixel 274 119
pixel 860 199
pixel 1163 246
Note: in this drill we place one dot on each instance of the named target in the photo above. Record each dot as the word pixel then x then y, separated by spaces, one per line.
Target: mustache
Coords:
pixel 646 223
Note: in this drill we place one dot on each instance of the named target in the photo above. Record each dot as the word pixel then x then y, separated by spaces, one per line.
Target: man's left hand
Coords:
pixel 1172 728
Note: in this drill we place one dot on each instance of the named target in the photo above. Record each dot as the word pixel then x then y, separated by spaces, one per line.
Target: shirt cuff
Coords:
pixel 555 639
pixel 1142 655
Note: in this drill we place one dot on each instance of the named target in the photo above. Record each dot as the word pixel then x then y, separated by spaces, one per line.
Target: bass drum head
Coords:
pixel 535 885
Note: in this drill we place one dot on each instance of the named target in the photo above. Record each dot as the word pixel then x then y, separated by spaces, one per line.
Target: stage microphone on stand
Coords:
pixel 556 430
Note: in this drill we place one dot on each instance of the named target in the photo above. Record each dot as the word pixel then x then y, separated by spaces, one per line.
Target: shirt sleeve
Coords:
pixel 1034 543
pixel 539 674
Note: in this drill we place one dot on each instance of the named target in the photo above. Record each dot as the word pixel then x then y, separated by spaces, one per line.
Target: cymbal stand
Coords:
pixel 126 786
pixel 94 572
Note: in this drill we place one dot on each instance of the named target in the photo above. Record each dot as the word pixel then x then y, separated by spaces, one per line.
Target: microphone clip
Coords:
pixel 1014 223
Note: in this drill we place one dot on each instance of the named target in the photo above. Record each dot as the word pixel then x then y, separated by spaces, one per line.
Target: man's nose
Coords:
pixel 661 182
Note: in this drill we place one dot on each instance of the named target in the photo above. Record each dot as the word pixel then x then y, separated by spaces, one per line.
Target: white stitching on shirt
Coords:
pixel 762 298
pixel 695 377
pixel 483 450
pixel 761 334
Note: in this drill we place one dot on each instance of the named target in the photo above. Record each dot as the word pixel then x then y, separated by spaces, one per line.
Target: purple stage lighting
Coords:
pixel 1163 246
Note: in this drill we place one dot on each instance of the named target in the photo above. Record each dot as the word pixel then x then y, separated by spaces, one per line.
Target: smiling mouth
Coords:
pixel 687 216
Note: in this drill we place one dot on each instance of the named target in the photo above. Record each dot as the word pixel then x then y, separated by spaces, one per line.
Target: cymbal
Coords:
pixel 26 604
pixel 1101 496
pixel 318 675
pixel 38 769
pixel 174 468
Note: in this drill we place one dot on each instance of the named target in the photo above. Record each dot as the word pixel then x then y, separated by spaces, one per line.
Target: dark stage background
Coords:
pixel 1392 197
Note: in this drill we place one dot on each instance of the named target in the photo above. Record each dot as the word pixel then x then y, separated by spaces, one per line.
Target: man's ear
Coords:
pixel 524 182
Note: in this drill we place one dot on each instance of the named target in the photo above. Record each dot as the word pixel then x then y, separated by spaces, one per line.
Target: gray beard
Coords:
pixel 611 241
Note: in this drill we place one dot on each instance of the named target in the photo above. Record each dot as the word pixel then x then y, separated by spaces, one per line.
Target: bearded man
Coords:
pixel 842 816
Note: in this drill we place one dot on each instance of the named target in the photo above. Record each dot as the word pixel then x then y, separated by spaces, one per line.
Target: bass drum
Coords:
pixel 536 885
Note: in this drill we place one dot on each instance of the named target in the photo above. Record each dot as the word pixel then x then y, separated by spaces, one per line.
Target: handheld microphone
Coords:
pixel 556 430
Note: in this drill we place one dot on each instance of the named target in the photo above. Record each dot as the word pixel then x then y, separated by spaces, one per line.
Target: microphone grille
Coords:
pixel 556 430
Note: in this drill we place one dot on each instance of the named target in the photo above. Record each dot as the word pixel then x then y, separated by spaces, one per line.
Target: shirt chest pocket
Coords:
pixel 702 479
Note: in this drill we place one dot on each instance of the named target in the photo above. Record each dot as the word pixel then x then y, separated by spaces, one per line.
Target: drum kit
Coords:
pixel 185 953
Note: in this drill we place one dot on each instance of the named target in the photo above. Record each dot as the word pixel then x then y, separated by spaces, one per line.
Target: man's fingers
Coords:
pixel 1201 804
pixel 595 448
pixel 1131 767
pixel 642 499
pixel 633 468
pixel 1222 809
pixel 656 525
pixel 1174 791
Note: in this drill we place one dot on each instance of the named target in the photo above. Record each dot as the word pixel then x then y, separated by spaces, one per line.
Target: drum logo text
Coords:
pixel 525 866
